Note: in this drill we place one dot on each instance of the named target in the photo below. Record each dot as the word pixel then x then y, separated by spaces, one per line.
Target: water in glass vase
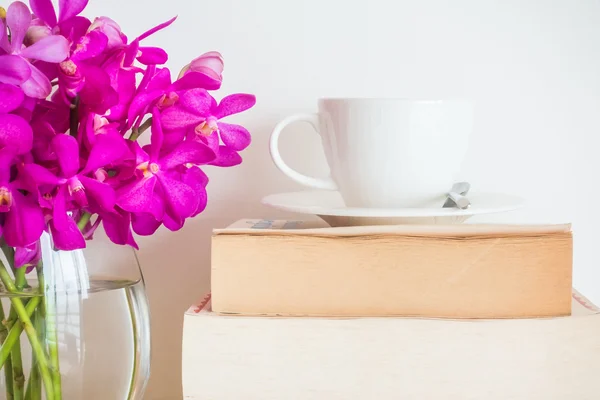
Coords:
pixel 99 329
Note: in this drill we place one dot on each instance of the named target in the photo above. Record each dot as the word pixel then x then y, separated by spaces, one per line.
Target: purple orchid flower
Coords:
pixel 156 191
pixel 208 64
pixel 74 188
pixel 197 109
pixel 21 218
pixel 50 179
pixel 51 49
pixel 15 132
pixel 117 226
pixel 28 256
pixel 68 9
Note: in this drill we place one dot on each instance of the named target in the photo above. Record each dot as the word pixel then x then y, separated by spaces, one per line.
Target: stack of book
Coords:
pixel 299 310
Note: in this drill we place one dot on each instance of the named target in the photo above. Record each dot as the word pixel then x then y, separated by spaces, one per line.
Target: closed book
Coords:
pixel 385 358
pixel 301 268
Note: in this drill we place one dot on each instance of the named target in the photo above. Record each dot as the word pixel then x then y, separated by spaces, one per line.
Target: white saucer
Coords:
pixel 329 206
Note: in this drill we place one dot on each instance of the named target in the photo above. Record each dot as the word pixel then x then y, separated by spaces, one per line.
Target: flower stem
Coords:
pixel 52 340
pixel 17 361
pixel 85 218
pixel 36 346
pixel 74 117
pixel 15 332
pixel 138 131
pixel 34 385
pixel 8 368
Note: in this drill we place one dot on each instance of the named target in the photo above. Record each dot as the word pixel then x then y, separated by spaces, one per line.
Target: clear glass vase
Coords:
pixel 75 326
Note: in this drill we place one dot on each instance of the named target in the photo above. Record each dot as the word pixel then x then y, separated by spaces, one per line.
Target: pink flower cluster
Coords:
pixel 75 95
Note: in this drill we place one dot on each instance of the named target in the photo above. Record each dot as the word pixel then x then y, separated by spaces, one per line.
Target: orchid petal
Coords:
pixel 131 53
pixel 106 150
pixel 68 237
pixel 144 224
pixel 90 45
pixel 140 103
pixel 7 156
pixel 140 156
pixel 195 178
pixel 67 153
pixel 118 228
pixel 102 193
pixel 28 255
pixel 138 197
pixel 194 79
pixel 18 19
pixel 146 77
pixel 97 93
pixel 193 107
pixel 75 28
pixel 13 69
pixel 37 31
pixel 211 140
pixel 172 139
pixel 59 208
pixel 210 63
pixel 53 49
pixel 161 80
pixel 156 29
pixel 40 175
pixel 180 199
pixel 47 68
pixel 227 157
pixel 15 132
pixel 4 43
pixel 70 8
pixel 173 224
pixel 116 38
pixel 233 104
pixel 125 85
pixel 157 137
pixel 45 10
pixel 187 152
pixel 11 98
pixel 24 223
pixel 38 85
pixel 152 55
pixel 235 136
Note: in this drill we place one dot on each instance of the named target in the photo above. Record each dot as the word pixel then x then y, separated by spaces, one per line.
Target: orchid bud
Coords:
pixel 210 64
pixel 36 31
pixel 28 256
pixel 112 30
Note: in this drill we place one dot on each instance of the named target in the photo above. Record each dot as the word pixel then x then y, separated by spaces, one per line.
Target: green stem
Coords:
pixel 17 361
pixel 138 131
pixel 85 218
pixel 34 385
pixel 36 346
pixel 52 341
pixel 8 368
pixel 15 332
pixel 74 117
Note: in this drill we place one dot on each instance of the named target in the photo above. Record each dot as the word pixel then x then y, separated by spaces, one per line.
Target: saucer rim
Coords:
pixel 513 202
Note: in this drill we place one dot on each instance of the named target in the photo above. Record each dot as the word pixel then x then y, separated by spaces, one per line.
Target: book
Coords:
pixel 318 358
pixel 302 268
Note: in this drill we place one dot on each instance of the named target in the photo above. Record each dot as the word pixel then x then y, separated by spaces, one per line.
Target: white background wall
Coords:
pixel 531 66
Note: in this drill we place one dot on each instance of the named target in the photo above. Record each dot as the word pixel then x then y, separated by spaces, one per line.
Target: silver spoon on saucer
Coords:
pixel 456 196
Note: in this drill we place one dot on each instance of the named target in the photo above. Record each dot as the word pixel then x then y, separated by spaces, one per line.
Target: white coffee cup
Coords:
pixel 388 153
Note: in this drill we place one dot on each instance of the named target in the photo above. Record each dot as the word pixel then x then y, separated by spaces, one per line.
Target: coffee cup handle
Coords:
pixel 318 183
